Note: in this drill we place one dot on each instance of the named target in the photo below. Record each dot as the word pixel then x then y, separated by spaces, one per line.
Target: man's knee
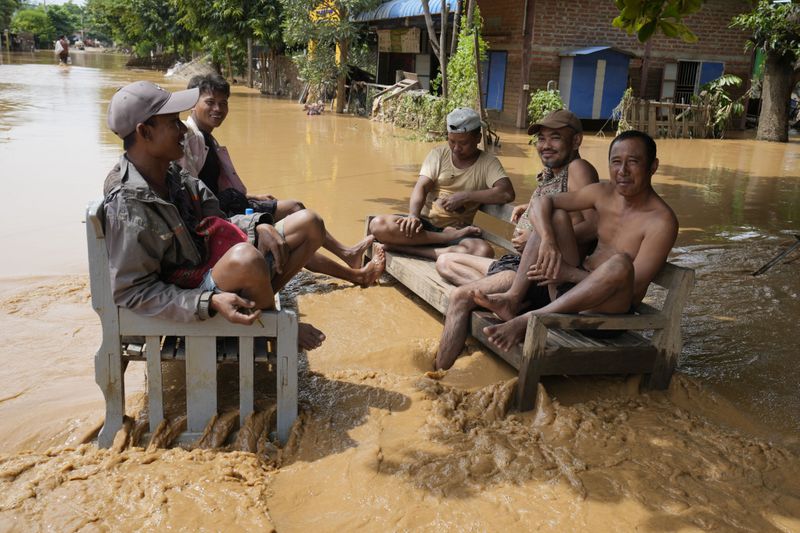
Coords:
pixel 293 206
pixel 444 264
pixel 461 296
pixel 311 223
pixel 477 247
pixel 561 216
pixel 379 225
pixel 620 268
pixel 242 259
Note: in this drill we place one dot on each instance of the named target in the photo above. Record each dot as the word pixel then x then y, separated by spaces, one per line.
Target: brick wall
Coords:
pixel 568 24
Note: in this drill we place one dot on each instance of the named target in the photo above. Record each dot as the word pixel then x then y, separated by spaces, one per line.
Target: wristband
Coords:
pixel 204 310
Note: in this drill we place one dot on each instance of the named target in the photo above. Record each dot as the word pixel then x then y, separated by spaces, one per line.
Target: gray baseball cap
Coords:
pixel 141 100
pixel 463 120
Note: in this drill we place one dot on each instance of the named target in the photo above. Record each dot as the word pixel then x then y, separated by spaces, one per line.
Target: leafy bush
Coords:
pixel 419 111
pixel 543 102
pixel 721 106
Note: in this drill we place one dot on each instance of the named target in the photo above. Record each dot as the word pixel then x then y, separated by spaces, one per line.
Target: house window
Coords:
pixel 683 79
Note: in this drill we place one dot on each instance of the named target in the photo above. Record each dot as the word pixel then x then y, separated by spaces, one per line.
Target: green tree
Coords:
pixel 327 24
pixel 775 29
pixel 65 20
pixel 7 8
pixel 645 17
pixel 461 69
pixel 36 22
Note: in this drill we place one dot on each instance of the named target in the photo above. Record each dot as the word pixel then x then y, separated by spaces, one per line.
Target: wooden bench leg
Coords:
pixel 201 382
pixel 246 379
pixel 662 371
pixel 155 390
pixel 532 352
pixel 109 375
pixel 287 373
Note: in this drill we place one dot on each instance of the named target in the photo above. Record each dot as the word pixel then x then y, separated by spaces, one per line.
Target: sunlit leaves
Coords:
pixel 645 17
pixel 773 27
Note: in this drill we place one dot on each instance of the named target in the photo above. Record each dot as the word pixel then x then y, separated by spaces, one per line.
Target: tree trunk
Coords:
pixel 443 49
pixel 250 62
pixel 341 82
pixel 773 122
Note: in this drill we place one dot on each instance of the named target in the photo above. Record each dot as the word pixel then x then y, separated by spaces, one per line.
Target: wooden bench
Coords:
pixel 554 343
pixel 202 345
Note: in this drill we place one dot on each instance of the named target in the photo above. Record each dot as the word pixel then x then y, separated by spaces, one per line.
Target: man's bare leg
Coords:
pixel 456 321
pixel 303 232
pixel 364 276
pixel 477 247
pixel 386 229
pixel 243 270
pixel 507 305
pixel 460 268
pixel 608 289
pixel 352 255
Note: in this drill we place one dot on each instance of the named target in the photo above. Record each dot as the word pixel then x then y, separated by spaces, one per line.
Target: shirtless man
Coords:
pixel 635 229
pixel 454 181
pixel 559 136
pixel 211 163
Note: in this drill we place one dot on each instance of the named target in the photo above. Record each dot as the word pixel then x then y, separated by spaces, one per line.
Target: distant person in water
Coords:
pixel 635 233
pixel 172 251
pixel 206 159
pixel 62 50
pixel 455 179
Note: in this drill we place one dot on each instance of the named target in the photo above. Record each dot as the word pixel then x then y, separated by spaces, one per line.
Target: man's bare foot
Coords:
pixel 373 270
pixel 308 337
pixel 500 303
pixel 353 255
pixel 462 233
pixel 508 334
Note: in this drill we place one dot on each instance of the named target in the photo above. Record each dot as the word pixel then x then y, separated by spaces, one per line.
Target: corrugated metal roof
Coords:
pixel 592 50
pixel 394 9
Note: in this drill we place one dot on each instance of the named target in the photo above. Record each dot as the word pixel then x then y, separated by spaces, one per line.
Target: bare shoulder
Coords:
pixel 663 217
pixel 581 173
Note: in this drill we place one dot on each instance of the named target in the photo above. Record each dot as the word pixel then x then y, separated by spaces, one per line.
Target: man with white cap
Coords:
pixel 558 137
pixel 454 181
pixel 172 252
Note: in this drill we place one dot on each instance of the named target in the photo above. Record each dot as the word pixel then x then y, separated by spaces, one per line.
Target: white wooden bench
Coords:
pixel 202 345
pixel 554 343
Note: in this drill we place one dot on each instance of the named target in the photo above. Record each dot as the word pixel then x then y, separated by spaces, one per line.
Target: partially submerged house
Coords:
pixel 571 46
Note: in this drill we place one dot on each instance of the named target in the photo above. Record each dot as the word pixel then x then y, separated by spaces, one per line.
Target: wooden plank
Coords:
pixel 155 390
pixel 603 322
pixel 530 369
pixel 598 361
pixel 481 319
pixel 246 379
pixel 134 324
pixel 287 374
pixel 201 381
pixel 421 277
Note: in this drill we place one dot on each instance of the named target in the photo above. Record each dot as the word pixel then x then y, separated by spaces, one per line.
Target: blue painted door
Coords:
pixel 709 71
pixel 493 81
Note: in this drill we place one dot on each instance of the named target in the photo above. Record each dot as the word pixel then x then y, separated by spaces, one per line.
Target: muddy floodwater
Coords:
pixel 379 446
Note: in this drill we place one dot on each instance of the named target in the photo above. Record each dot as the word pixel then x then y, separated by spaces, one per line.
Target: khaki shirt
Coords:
pixel 448 179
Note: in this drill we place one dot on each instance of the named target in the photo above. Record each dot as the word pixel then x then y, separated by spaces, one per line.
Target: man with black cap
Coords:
pixel 558 138
pixel 172 252
pixel 454 181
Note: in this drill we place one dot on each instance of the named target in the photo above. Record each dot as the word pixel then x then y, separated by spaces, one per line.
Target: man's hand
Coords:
pixel 517 212
pixel 520 239
pixel 410 225
pixel 454 202
pixel 235 308
pixel 269 240
pixel 261 197
pixel 567 273
pixel 548 263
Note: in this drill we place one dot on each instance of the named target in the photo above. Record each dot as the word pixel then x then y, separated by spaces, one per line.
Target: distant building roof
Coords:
pixel 593 49
pixel 394 9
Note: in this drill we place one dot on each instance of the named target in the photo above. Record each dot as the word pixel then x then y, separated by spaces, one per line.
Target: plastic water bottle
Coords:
pixel 248 211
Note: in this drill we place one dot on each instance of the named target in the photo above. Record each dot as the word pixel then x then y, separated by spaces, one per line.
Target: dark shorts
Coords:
pixel 427 225
pixel 233 202
pixel 505 263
